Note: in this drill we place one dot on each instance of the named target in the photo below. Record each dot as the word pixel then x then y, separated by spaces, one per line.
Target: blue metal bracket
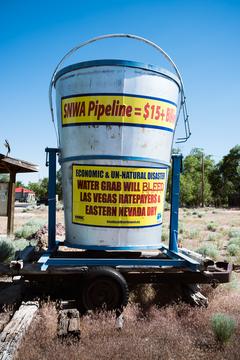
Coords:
pixel 175 194
pixel 46 261
pixel 191 263
pixel 51 162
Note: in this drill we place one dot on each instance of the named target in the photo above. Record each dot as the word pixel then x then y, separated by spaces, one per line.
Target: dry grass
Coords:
pixel 173 332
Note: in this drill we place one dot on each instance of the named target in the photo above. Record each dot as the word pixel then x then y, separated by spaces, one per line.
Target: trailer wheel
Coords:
pixel 104 287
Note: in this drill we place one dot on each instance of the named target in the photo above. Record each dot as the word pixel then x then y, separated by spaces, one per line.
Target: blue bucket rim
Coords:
pixel 116 62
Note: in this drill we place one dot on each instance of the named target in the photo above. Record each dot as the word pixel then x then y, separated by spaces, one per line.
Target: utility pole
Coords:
pixel 203 180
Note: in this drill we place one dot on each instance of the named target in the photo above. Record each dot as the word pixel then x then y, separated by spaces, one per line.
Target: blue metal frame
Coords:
pixel 46 261
pixel 116 62
pixel 175 194
pixel 51 162
pixel 174 258
pixel 116 157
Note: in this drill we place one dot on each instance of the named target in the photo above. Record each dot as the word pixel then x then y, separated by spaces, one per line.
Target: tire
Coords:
pixel 104 288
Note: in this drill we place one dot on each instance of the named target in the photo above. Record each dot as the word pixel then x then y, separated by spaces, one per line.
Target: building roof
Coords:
pixel 8 164
pixel 23 190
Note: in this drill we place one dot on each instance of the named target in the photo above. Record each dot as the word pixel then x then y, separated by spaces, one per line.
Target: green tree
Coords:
pixel 191 179
pixel 40 188
pixel 225 179
pixel 216 182
pixel 20 184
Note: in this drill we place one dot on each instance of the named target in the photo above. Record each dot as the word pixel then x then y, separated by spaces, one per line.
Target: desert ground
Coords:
pixel 151 331
pixel 206 229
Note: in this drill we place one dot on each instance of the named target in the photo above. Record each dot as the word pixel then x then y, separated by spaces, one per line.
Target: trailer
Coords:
pixel 103 278
pixel 116 122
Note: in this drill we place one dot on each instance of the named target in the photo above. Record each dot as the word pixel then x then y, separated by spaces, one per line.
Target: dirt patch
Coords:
pixel 42 235
pixel 23 215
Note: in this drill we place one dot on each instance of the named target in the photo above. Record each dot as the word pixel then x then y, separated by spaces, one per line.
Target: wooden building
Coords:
pixel 12 167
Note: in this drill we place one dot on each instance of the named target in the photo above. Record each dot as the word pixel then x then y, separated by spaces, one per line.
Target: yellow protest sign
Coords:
pixel 118 196
pixel 118 109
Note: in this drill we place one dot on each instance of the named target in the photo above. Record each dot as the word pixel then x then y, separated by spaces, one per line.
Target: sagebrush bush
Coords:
pixel 167 206
pixel 212 227
pixel 193 234
pixel 20 244
pixel 233 249
pixel 28 229
pixel 223 327
pixel 7 250
pixel 164 236
pixel 180 229
pixel 235 241
pixel 234 234
pixel 211 237
pixel 209 250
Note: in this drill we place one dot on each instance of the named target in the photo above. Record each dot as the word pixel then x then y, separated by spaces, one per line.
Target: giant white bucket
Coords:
pixel 116 121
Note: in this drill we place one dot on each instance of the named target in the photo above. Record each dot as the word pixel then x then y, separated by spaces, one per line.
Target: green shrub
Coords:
pixel 212 227
pixel 223 327
pixel 233 249
pixel 29 229
pixel 7 250
pixel 36 222
pixel 193 234
pixel 164 236
pixel 209 250
pixel 20 244
pixel 235 241
pixel 233 234
pixel 211 237
pixel 167 206
pixel 180 229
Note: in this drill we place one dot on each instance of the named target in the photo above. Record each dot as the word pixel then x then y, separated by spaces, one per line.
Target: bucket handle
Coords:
pixel 135 37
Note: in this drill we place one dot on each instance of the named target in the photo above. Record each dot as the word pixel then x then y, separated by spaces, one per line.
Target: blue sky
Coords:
pixel 202 37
